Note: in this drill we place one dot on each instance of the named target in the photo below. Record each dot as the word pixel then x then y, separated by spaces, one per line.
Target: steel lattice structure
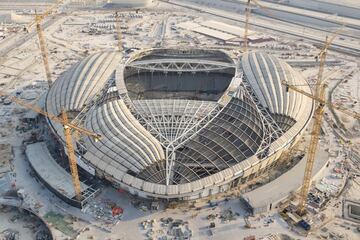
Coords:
pixel 180 65
pixel 181 123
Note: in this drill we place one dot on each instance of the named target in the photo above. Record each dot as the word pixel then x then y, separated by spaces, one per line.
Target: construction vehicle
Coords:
pixel 304 224
pixel 42 44
pixel 319 97
pixel 68 128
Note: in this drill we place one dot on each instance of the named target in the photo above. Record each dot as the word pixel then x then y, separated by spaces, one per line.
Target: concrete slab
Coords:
pixel 272 193
pixel 47 168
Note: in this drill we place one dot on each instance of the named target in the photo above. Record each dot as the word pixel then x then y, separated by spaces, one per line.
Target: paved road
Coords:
pixel 291 29
pixel 25 37
pixel 15 202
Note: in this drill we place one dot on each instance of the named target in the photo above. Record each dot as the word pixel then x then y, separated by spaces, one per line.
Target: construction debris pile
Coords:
pixel 9 234
pixel 8 29
pixel 167 228
pixel 21 224
pixel 225 216
pixel 326 233
pixel 5 158
pixel 141 205
pixel 105 210
pixel 329 186
pixel 106 25
pixel 70 47
pixel 228 215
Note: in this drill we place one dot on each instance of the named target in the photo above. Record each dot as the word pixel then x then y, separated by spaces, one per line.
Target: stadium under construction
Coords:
pixel 178 123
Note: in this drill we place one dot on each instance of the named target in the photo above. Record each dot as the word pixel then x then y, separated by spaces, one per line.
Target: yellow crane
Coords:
pixel 118 31
pixel 322 101
pixel 40 33
pixel 68 126
pixel 247 18
pixel 319 97
pixel 246 28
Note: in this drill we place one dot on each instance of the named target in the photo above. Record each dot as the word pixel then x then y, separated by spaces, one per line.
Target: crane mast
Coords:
pixel 68 127
pixel 50 116
pixel 328 104
pixel 315 133
pixel 71 157
pixel 43 49
pixel 247 20
pixel 246 29
pixel 319 97
pixel 118 31
pixel 42 44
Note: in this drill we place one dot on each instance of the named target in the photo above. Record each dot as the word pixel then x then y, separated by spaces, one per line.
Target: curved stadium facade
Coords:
pixel 183 123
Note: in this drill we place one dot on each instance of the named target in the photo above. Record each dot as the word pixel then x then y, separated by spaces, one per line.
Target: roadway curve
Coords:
pixel 290 29
pixel 25 37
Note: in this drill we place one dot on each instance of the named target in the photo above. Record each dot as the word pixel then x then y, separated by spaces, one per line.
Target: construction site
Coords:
pixel 179 119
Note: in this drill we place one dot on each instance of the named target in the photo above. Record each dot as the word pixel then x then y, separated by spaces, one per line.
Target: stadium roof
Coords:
pixel 170 146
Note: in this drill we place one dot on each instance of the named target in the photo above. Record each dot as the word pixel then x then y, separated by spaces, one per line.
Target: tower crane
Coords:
pixel 40 33
pixel 319 97
pixel 322 101
pixel 246 28
pixel 118 31
pixel 247 18
pixel 68 127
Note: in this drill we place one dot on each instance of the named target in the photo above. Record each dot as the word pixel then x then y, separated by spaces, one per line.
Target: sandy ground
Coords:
pixel 129 227
pixel 23 67
pixel 19 225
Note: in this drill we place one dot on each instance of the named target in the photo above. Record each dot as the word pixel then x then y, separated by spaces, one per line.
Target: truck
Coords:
pixel 305 225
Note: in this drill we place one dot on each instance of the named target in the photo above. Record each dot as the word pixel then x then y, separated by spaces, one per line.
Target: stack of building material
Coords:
pixel 5 158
